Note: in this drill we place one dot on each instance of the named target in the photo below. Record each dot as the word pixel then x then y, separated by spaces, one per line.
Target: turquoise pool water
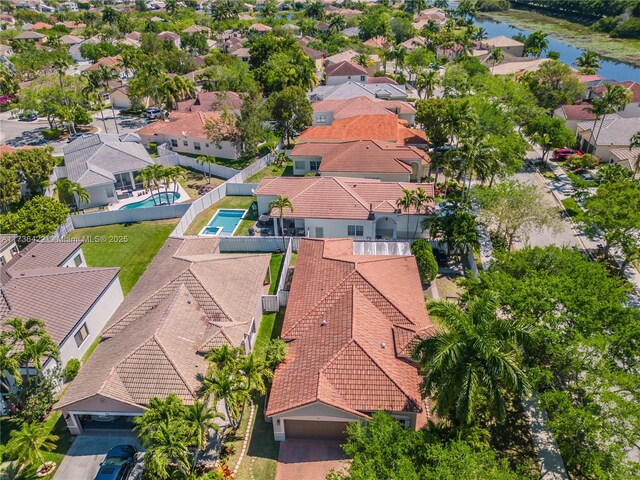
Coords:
pixel 160 199
pixel 224 222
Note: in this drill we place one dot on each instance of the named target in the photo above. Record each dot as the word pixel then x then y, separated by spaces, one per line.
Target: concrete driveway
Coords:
pixel 303 459
pixel 87 451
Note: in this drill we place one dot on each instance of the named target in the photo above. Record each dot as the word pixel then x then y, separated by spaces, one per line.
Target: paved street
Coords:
pixel 18 134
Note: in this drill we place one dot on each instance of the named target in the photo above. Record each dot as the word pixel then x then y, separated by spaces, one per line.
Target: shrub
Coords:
pixel 606 24
pixel 427 264
pixel 81 115
pixel 493 5
pixel 33 400
pixel 628 29
pixel 71 369
pixel 51 133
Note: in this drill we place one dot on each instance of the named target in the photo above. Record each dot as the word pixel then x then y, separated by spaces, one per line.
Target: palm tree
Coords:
pixel 200 419
pixel 145 178
pixel 106 75
pixel 168 447
pixel 363 60
pixel 400 57
pixel 176 174
pixel 536 43
pixel 31 340
pixel 337 23
pixel 60 64
pixel 205 159
pixel 385 55
pixel 474 357
pixel 224 356
pixel 156 173
pixel 614 99
pixel 69 190
pixel 405 203
pixel 227 385
pixel 420 202
pixel 43 348
pixel 92 92
pixel 458 231
pixel 281 203
pixel 495 57
pixel 314 9
pixel 9 365
pixel 481 34
pixel 257 373
pixel 588 62
pixel 427 82
pixel 28 443
pixel 159 412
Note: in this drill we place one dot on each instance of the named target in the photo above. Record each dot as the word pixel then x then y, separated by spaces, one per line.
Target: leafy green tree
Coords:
pixel 10 189
pixel 290 111
pixel 613 213
pixel 249 122
pixel 375 24
pixel 432 114
pixel 427 264
pixel 28 444
pixel 458 231
pixel 514 209
pixel 473 361
pixel 195 43
pixel 276 352
pixel 555 84
pixel 38 218
pixel 496 56
pixel 549 133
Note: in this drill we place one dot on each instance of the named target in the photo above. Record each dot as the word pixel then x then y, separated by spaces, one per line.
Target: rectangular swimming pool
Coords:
pixel 224 222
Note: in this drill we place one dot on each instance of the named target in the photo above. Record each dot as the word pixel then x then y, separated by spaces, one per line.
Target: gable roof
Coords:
pixel 384 90
pixel 577 112
pixel 633 87
pixel 350 323
pixel 502 41
pixel 614 130
pixel 386 128
pixel 189 299
pixel 337 197
pixel 190 124
pixel 344 69
pixel 29 35
pixel 351 107
pixel 33 285
pixel 210 101
pixel 95 159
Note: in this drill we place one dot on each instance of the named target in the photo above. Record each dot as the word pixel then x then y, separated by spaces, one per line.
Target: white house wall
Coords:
pixel 227 150
pixel 339 80
pixel 315 411
pixel 99 196
pixel 385 177
pixel 333 228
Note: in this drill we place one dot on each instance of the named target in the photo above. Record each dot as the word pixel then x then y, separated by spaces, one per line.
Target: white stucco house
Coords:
pixel 339 207
pixel 50 281
pixel 345 71
pixel 631 109
pixel 613 133
pixel 105 163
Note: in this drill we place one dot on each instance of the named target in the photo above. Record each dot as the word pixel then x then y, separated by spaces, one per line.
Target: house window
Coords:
pixel 355 230
pixel 321 118
pixel 174 142
pixel 81 335
pixel 362 78
pixel 299 165
pixel 77 261
pixel 196 145
pixel 185 143
pixel 2 261
pixel 109 193
pixel 314 165
pixel 206 145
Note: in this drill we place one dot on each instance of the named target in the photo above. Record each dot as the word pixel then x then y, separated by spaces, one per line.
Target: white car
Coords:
pixel 154 113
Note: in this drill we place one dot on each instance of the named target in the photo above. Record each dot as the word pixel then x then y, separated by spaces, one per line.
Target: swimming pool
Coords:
pixel 224 222
pixel 160 199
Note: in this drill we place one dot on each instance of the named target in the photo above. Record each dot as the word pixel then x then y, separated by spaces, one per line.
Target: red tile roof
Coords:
pixel 190 124
pixel 351 321
pixel 260 27
pixel 344 69
pixel 577 112
pixel 365 127
pixel 211 101
pixel 633 87
pixel 337 197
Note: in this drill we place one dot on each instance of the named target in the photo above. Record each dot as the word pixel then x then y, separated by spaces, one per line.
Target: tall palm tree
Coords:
pixel 92 92
pixel 256 372
pixel 60 64
pixel 363 60
pixel 426 82
pixel 474 357
pixel 226 385
pixel 168 447
pixel 337 23
pixel 159 412
pixel 28 443
pixel 176 173
pixel 156 174
pixel 41 349
pixel 208 160
pixel 400 56
pixel 385 55
pixel 406 201
pixel 420 201
pixel 106 75
pixel 615 98
pixel 9 365
pixel 224 356
pixel 68 190
pixel 314 9
pixel 31 340
pixel 588 62
pixel 495 57
pixel 281 203
pixel 199 420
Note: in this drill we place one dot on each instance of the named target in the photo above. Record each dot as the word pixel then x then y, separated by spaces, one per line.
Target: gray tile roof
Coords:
pixel 43 254
pixel 354 89
pixel 94 159
pixel 189 299
pixel 615 130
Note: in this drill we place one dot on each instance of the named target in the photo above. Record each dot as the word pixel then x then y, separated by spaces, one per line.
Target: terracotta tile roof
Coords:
pixel 387 80
pixel 343 323
pixel 312 53
pixel 344 69
pixel 260 27
pixel 114 62
pixel 377 42
pixel 211 101
pixel 365 127
pixel 337 197
pixel 588 78
pixel 502 41
pixel 352 107
pixel 41 25
pixel 190 124
pixel 190 298
pixel 633 87
pixel 577 112
pixel 173 36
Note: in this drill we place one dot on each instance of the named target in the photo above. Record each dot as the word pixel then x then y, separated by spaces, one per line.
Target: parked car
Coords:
pixel 118 463
pixel 563 153
pixel 154 112
pixel 27 116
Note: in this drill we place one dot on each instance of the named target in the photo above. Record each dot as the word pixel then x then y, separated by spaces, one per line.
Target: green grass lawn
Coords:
pixel 285 170
pixel 195 179
pixel 205 216
pixel 129 246
pixel 56 425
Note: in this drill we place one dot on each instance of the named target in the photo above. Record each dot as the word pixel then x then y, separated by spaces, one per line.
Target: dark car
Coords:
pixel 563 153
pixel 27 116
pixel 118 463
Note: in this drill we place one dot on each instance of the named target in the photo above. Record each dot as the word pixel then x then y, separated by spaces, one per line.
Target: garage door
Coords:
pixel 315 429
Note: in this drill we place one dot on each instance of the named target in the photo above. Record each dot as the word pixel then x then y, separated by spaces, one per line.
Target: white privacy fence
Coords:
pixel 272 303
pixel 168 157
pixel 131 215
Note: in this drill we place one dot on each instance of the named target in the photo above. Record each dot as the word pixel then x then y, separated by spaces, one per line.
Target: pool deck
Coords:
pixel 184 197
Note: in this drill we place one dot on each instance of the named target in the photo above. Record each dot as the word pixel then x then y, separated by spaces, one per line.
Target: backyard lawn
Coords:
pixel 205 216
pixel 285 170
pixel 195 179
pixel 130 246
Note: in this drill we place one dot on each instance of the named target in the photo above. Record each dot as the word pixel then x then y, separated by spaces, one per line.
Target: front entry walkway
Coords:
pixel 309 459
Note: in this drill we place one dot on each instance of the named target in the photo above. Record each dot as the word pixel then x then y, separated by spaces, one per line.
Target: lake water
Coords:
pixel 568 53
